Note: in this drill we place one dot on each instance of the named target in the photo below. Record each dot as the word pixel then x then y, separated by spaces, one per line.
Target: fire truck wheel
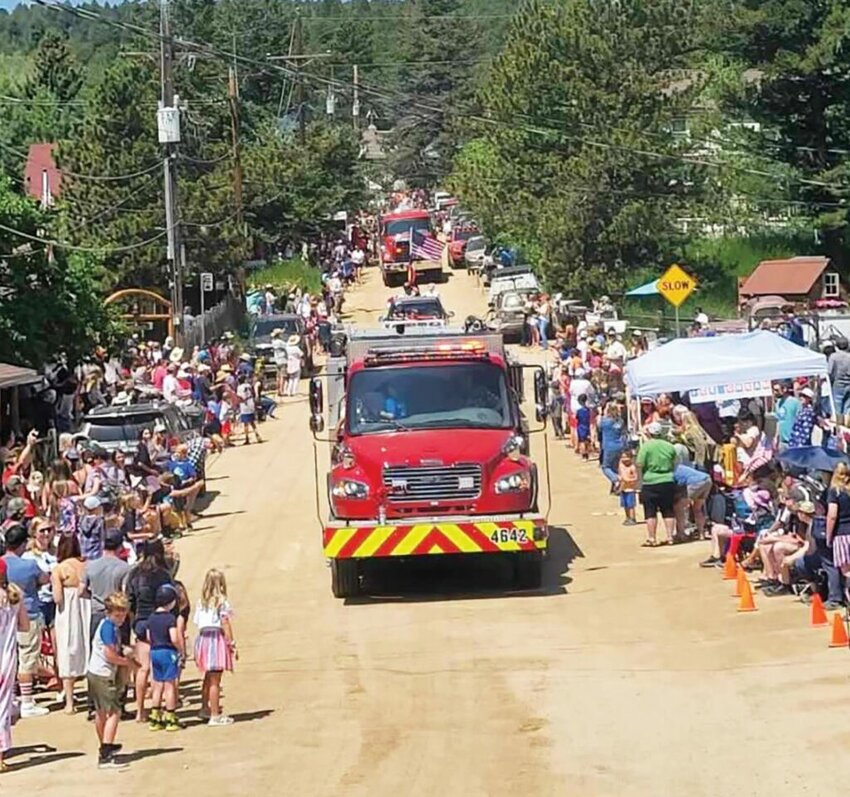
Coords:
pixel 345 578
pixel 528 569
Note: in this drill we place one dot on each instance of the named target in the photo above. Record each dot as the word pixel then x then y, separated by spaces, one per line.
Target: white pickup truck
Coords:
pixel 511 279
pixel 608 318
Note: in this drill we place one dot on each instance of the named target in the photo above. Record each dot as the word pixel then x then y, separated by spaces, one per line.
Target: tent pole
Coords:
pixel 677 320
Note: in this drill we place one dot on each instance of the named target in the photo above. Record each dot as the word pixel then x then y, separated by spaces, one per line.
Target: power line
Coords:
pixel 535 128
pixel 110 250
pixel 106 178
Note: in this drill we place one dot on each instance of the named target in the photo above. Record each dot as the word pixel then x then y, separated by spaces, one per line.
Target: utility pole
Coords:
pixel 233 97
pixel 299 53
pixel 168 124
pixel 355 105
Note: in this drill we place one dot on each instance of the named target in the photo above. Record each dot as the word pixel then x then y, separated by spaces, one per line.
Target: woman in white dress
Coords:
pixel 13 618
pixel 73 616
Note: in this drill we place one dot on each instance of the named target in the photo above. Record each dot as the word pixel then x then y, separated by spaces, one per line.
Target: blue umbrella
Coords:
pixel 812 458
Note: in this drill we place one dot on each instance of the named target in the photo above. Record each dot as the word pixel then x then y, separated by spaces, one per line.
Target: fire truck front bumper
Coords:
pixel 484 534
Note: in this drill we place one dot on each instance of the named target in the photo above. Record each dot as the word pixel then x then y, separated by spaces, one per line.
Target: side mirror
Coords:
pixel 541 391
pixel 317 399
pixel 317 424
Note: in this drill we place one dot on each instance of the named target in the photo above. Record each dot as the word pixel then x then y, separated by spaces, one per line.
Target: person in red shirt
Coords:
pixel 13 463
pixel 159 373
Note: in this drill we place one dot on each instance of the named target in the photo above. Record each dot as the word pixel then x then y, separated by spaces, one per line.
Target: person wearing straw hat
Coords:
pixel 294 360
pixel 280 357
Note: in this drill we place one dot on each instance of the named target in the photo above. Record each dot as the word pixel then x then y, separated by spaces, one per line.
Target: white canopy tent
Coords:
pixel 687 364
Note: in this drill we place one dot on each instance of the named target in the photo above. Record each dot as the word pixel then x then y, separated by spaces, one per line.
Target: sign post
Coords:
pixel 676 285
pixel 206 286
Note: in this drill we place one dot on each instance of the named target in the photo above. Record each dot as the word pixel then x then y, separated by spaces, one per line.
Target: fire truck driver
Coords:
pixel 393 407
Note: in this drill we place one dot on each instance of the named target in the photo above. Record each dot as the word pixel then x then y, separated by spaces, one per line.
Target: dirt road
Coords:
pixel 629 674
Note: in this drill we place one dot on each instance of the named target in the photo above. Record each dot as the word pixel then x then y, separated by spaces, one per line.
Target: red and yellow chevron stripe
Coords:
pixel 418 539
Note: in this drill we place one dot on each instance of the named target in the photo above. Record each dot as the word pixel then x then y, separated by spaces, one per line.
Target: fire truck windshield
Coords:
pixel 403 226
pixel 459 396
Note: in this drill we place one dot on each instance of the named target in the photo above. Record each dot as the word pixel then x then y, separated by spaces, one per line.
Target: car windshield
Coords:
pixel 263 327
pixel 122 429
pixel 403 226
pixel 476 243
pixel 423 308
pixel 460 396
pixel 512 302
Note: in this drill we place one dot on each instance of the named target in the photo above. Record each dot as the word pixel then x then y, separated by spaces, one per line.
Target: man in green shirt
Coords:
pixel 656 461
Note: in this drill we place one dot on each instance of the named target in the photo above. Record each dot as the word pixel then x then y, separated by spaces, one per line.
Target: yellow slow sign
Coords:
pixel 676 285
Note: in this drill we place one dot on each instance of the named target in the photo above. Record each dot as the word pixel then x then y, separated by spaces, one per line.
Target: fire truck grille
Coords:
pixel 432 483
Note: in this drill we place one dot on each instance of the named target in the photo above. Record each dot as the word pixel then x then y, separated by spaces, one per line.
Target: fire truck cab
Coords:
pixel 428 453
pixel 395 231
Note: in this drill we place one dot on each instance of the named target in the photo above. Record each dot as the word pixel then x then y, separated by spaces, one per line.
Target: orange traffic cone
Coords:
pixel 729 568
pixel 819 617
pixel 739 586
pixel 839 632
pixel 746 604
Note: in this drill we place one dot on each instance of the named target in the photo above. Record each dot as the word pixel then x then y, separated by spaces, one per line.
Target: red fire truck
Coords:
pixel 428 453
pixel 395 231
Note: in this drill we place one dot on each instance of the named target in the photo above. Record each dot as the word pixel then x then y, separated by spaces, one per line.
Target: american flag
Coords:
pixel 425 247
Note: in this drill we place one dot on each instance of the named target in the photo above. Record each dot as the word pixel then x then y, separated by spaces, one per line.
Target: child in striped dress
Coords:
pixel 215 648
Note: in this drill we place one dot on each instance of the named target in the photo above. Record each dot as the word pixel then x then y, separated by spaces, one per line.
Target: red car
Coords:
pixel 457 244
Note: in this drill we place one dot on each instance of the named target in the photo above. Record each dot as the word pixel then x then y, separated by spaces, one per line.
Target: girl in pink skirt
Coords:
pixel 215 648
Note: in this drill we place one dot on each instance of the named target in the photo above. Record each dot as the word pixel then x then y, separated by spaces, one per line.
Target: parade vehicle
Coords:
pixel 429 453
pixel 396 231
pixel 419 310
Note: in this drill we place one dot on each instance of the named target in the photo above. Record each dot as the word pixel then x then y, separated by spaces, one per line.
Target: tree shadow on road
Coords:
pixel 474 577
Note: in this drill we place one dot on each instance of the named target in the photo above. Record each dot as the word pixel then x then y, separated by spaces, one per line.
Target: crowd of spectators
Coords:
pixel 89 589
pixel 723 472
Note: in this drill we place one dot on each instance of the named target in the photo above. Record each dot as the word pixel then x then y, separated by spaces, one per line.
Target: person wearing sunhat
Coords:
pixel 294 360
pixel 280 358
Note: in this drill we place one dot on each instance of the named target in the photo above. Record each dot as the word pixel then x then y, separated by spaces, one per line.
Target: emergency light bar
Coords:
pixel 468 350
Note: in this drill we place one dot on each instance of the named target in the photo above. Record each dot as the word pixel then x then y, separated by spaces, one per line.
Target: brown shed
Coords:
pixel 800 280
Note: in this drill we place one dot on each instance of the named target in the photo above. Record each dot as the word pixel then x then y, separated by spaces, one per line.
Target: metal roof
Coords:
pixel 15 376
pixel 794 276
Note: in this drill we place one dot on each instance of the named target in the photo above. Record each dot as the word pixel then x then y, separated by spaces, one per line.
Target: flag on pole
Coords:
pixel 424 247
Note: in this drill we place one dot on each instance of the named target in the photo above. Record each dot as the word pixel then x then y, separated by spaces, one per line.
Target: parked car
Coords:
pixel 458 240
pixel 117 428
pixel 507 316
pixel 473 255
pixel 513 278
pixel 260 339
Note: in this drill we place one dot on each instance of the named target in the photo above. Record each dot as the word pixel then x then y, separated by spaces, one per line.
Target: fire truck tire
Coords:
pixel 345 578
pixel 528 569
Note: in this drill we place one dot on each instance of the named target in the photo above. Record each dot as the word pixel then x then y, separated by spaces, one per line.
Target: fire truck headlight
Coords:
pixel 515 483
pixel 347 488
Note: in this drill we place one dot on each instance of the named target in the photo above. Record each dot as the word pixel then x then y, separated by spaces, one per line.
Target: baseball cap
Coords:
pixel 113 540
pixel 165 595
pixel 16 507
pixel 16 536
pixel 92 502
pixel 655 429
